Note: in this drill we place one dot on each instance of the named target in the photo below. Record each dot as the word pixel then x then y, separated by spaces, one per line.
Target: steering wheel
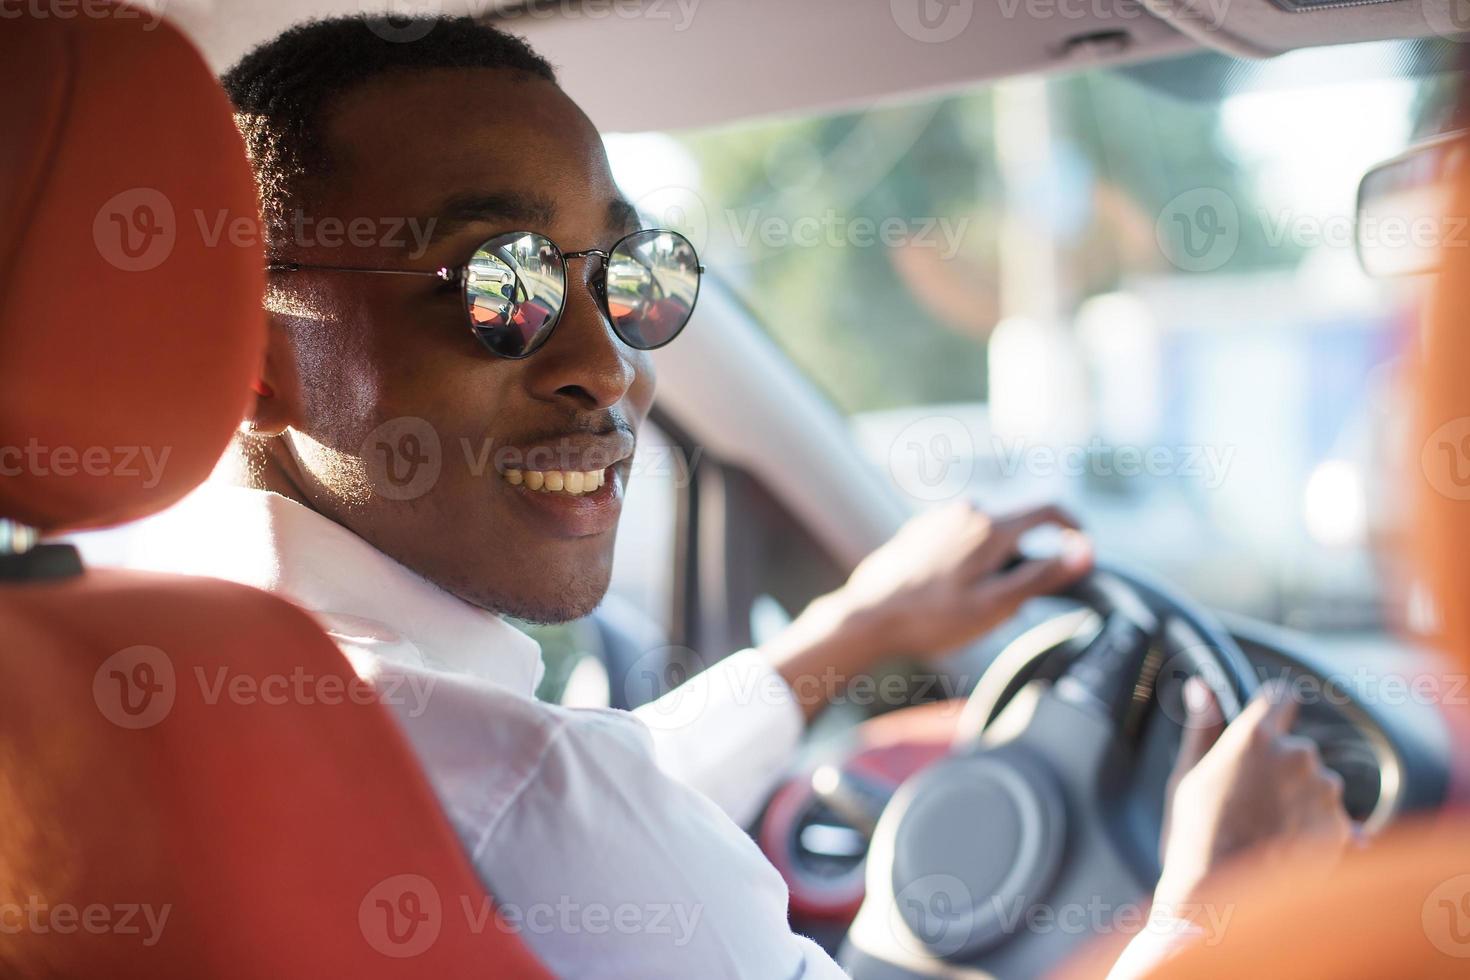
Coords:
pixel 1002 857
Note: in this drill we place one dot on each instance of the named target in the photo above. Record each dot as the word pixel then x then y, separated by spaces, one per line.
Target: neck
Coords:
pixel 268 464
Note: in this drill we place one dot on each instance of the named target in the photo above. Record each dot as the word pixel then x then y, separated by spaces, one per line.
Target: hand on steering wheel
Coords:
pixel 1030 813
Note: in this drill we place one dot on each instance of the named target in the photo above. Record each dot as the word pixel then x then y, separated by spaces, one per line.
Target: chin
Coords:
pixel 558 598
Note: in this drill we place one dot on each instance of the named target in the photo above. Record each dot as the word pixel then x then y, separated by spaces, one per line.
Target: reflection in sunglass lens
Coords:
pixel 514 288
pixel 652 282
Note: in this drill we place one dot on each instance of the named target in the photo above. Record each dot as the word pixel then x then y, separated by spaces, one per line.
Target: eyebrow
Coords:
pixel 472 207
pixel 622 216
pixel 532 211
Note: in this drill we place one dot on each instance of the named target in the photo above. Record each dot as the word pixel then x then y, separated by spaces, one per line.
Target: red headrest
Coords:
pixel 131 269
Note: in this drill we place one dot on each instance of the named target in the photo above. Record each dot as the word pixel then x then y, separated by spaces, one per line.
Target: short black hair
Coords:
pixel 282 88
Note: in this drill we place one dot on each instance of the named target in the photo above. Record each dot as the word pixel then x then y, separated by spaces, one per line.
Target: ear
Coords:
pixel 277 403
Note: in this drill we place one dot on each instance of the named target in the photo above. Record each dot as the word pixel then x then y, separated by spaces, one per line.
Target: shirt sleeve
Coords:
pixel 607 868
pixel 730 732
pixel 1162 937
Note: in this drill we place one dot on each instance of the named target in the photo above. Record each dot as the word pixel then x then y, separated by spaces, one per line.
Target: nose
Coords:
pixel 583 363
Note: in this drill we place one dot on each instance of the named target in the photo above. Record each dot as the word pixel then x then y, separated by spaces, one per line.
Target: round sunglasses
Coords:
pixel 515 284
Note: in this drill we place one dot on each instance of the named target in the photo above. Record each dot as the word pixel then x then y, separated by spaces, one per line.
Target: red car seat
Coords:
pixel 192 782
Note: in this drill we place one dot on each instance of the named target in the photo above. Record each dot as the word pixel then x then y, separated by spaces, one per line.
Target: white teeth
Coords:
pixel 574 482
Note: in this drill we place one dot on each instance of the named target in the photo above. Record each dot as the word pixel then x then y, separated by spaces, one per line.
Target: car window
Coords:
pixel 1132 291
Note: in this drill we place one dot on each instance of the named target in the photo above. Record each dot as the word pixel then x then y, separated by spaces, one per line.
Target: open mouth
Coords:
pixel 573 482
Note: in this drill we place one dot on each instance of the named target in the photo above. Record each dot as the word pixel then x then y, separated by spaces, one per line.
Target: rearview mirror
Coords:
pixel 1403 216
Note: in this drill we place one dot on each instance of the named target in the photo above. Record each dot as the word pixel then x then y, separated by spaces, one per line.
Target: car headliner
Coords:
pixel 668 64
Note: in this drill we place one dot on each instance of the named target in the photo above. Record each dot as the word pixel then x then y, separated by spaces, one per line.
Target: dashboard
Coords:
pixel 1371 707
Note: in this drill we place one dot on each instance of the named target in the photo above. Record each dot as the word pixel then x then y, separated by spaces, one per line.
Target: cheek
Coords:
pixel 339 382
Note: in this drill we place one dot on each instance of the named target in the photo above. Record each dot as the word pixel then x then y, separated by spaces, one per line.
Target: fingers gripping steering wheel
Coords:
pixel 1025 822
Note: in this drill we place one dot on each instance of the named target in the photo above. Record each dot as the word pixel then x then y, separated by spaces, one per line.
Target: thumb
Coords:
pixel 1039 576
pixel 1202 725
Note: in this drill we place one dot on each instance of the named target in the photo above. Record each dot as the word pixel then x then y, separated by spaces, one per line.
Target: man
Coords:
pixel 463 130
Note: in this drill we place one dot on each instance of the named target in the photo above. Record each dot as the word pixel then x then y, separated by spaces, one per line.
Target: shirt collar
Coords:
pixel 271 542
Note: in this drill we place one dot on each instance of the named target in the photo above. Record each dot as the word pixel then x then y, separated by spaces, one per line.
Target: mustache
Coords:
pixel 606 422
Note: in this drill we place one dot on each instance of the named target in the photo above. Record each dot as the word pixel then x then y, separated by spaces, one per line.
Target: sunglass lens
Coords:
pixel 514 288
pixel 652 283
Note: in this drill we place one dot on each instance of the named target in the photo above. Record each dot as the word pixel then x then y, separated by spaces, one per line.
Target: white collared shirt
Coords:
pixel 607 866
pixel 605 836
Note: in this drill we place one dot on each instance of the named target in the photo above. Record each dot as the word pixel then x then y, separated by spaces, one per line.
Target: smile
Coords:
pixel 572 482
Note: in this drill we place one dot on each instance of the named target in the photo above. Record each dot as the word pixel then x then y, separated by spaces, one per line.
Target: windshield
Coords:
pixel 1135 292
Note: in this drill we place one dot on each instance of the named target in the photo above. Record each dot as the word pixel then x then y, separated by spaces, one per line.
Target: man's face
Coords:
pixel 404 425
